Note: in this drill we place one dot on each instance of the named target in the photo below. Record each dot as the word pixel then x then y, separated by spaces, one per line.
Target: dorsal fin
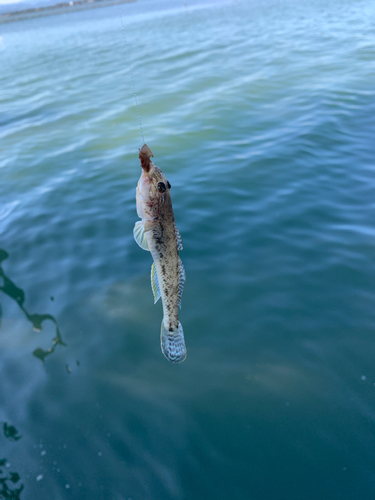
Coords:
pixel 182 276
pixel 179 239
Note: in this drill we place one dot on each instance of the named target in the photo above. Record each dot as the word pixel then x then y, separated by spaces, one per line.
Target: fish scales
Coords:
pixel 163 246
pixel 157 232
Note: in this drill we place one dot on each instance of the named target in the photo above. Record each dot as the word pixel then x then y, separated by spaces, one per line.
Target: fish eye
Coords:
pixel 161 187
pixel 169 186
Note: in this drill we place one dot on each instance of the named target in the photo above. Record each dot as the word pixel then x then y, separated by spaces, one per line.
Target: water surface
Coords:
pixel 262 116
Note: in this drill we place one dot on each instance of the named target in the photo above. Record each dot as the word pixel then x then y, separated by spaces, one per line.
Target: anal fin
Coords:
pixel 155 283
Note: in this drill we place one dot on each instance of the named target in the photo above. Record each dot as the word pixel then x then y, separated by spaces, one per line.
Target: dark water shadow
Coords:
pixel 9 490
pixel 18 295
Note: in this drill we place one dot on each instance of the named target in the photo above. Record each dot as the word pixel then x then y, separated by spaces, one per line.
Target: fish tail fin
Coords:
pixel 173 343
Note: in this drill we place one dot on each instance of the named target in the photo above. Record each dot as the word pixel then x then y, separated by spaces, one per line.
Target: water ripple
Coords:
pixel 262 116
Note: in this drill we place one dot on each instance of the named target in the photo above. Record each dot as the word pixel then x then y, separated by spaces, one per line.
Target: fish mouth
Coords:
pixel 145 155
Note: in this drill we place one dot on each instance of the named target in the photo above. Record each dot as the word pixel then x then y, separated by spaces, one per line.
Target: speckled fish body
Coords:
pixel 157 232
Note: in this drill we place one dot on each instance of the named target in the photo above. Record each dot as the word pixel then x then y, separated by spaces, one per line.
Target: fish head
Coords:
pixel 153 190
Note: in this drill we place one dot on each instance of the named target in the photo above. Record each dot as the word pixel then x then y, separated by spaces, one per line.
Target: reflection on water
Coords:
pixel 7 491
pixel 273 156
pixel 10 432
pixel 18 295
pixel 8 480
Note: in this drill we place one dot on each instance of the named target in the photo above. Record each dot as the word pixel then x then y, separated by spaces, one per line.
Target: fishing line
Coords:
pixel 131 76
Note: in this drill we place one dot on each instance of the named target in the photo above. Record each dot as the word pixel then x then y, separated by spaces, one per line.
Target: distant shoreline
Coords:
pixel 72 6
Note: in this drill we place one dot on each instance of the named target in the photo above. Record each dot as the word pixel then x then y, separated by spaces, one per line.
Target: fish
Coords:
pixel 157 232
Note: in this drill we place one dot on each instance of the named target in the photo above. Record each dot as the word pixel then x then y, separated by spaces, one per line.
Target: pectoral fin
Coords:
pixel 139 235
pixel 155 284
pixel 149 225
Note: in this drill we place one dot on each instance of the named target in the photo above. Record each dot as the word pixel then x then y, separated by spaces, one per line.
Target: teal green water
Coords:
pixel 262 116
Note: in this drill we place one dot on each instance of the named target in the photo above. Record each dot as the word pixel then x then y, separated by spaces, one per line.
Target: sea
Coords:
pixel 261 114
